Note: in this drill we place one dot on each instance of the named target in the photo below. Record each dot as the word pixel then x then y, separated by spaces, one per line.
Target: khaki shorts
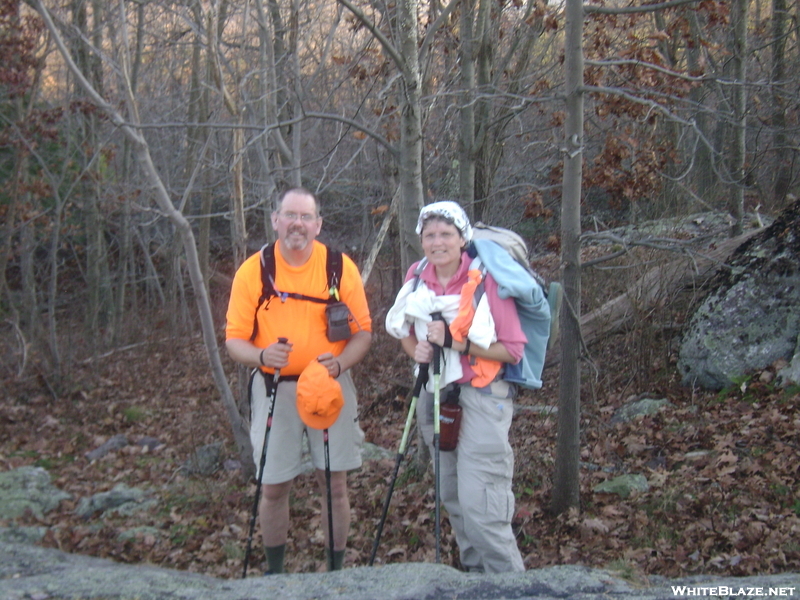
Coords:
pixel 285 448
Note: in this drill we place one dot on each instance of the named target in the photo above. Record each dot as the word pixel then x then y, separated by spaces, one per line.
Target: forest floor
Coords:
pixel 722 467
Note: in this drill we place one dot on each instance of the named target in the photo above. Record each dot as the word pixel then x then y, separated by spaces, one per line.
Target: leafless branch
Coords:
pixel 639 63
pixel 624 10
pixel 23 346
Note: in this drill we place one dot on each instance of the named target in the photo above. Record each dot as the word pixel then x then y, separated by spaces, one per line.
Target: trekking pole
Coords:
pixel 330 499
pixel 262 462
pixel 422 377
pixel 437 370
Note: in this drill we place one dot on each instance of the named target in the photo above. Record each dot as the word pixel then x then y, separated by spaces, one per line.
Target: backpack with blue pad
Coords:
pixel 538 310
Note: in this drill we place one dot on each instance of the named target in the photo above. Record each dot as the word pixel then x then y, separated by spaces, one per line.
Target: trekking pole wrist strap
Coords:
pixel 448 337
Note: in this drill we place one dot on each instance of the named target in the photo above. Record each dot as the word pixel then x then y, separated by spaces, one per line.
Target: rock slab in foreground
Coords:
pixel 33 572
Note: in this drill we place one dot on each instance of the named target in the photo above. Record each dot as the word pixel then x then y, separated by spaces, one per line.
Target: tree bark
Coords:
pixel 705 178
pixel 783 172
pixel 233 104
pixel 466 141
pixel 738 148
pixel 97 276
pixel 566 479
pixel 410 136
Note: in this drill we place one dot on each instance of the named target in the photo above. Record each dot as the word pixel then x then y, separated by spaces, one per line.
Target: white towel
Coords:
pixel 415 306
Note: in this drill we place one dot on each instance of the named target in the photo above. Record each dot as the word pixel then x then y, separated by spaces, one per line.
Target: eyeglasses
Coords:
pixel 305 218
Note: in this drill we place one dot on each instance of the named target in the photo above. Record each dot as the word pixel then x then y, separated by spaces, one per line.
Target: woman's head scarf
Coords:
pixel 451 211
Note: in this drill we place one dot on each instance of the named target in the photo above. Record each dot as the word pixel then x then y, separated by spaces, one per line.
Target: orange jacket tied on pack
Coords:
pixel 485 369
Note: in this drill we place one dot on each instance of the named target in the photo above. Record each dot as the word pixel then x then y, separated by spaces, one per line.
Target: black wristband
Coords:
pixel 465 351
pixel 261 357
pixel 448 337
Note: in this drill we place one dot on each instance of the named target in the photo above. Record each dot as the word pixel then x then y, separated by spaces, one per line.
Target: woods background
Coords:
pixel 144 142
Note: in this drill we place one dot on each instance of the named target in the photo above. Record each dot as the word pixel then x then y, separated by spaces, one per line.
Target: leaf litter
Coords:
pixel 722 468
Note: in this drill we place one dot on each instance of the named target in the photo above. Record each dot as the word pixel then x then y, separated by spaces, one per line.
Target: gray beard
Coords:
pixel 295 243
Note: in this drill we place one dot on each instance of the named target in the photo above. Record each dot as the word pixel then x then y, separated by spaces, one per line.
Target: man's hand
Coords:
pixel 330 362
pixel 276 356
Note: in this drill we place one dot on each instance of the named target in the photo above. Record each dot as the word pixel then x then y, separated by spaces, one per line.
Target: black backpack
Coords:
pixel 333 266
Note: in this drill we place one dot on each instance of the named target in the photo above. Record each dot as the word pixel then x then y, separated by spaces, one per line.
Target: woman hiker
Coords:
pixel 475 344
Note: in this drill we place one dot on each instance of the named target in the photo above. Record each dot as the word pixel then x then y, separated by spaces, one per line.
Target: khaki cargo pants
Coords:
pixel 476 477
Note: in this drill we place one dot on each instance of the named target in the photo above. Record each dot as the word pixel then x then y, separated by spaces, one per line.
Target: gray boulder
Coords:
pixel 32 572
pixel 28 488
pixel 205 461
pixel 639 408
pixel 122 499
pixel 624 485
pixel 751 319
pixel 115 443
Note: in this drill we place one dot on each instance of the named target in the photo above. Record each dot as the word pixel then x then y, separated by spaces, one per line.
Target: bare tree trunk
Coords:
pixel 672 200
pixel 26 318
pixel 197 135
pixel 128 265
pixel 96 273
pixel 366 269
pixel 738 148
pixel 270 45
pixel 705 179
pixel 295 103
pixel 406 58
pixel 490 124
pixel 52 288
pixel 566 480
pixel 410 136
pixel 7 227
pixel 30 316
pixel 486 152
pixel 783 171
pixel 233 104
pixel 237 217
pixel 466 142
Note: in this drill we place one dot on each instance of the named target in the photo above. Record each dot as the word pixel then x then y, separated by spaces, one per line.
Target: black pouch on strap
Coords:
pixel 337 316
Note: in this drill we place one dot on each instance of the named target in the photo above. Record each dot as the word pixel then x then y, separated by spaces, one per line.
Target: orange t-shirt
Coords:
pixel 302 322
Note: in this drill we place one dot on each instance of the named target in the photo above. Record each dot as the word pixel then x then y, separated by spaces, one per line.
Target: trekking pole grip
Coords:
pixel 437 350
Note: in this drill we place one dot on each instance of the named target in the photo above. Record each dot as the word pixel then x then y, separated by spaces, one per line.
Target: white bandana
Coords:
pixel 450 210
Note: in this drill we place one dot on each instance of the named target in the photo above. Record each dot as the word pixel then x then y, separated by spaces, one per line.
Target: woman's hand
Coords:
pixel 423 352
pixel 436 333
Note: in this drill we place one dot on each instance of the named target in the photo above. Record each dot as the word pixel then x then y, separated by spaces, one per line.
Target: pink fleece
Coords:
pixel 504 312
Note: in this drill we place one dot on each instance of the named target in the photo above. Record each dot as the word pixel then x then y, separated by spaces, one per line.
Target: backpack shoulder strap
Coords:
pixel 267 273
pixel 334 267
pixel 418 270
pixel 267 254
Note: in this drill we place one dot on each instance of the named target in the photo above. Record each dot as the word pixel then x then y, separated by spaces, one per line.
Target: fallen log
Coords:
pixel 690 270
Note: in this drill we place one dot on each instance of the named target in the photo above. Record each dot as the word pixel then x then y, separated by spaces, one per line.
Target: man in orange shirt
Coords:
pixel 300 269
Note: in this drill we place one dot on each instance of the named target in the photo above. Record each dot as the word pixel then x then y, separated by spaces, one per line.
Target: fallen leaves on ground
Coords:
pixel 723 470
